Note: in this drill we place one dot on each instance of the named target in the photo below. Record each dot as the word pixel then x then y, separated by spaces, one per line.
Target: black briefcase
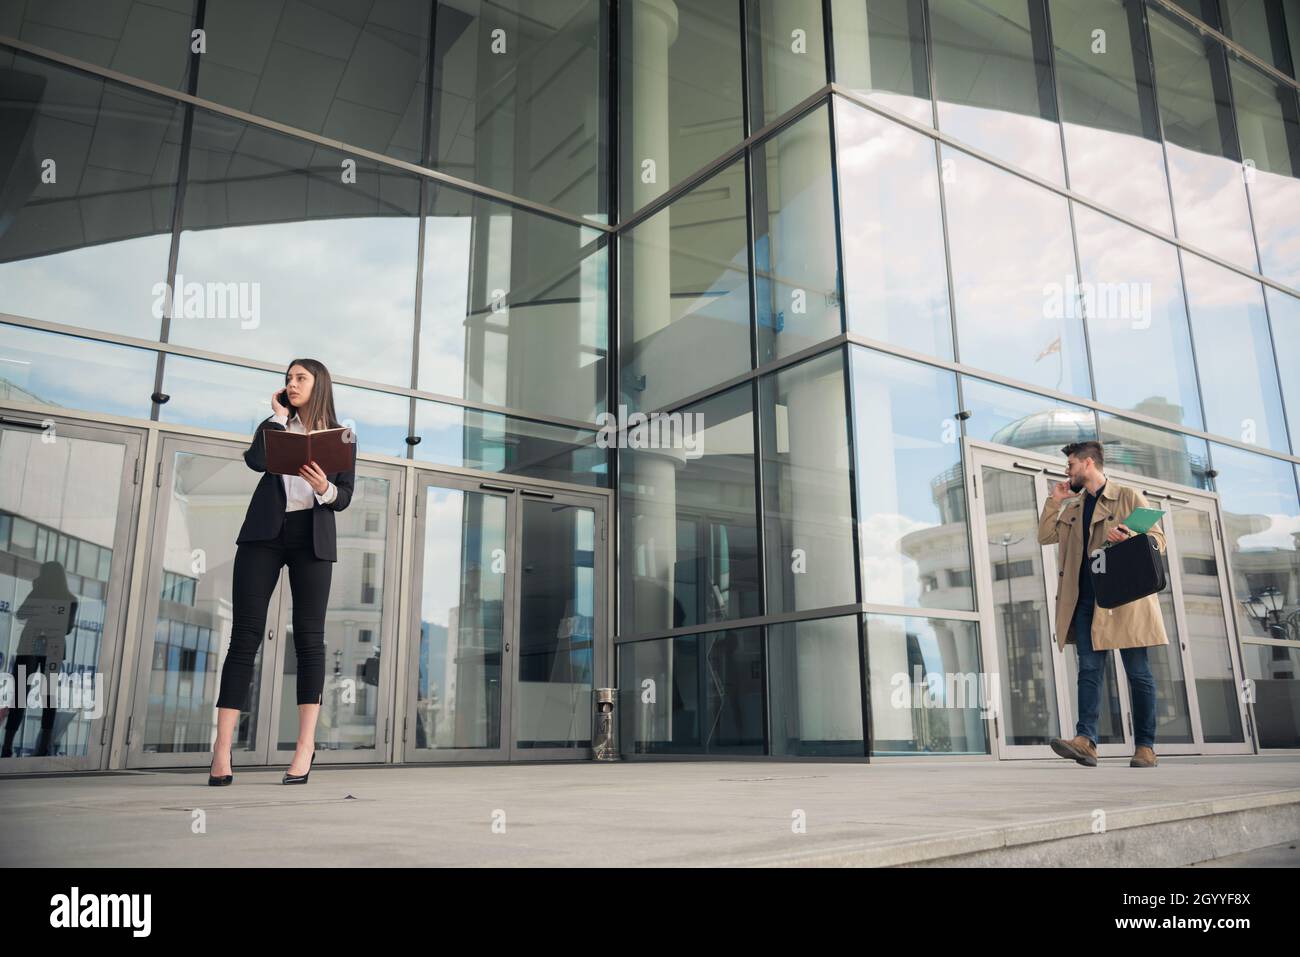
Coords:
pixel 1133 569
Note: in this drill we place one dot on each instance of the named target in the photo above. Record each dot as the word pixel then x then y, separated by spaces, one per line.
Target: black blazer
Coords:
pixel 266 509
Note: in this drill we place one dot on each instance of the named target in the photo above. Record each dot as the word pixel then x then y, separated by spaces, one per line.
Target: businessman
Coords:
pixel 1090 508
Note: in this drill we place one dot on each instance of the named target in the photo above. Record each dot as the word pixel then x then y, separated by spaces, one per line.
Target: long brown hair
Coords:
pixel 319 411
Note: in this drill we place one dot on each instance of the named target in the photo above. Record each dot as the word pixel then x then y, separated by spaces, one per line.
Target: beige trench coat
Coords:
pixel 1132 625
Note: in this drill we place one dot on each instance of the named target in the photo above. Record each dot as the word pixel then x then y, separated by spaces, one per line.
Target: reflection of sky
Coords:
pixel 1132 363
pixel 1275 201
pixel 445 575
pixel 108 287
pixel 75 373
pixel 1256 485
pixel 903 411
pixel 1028 142
pixel 1122 171
pixel 1010 240
pixel 338 290
pixel 1210 200
pixel 1234 356
pixel 1284 316
pixel 892 233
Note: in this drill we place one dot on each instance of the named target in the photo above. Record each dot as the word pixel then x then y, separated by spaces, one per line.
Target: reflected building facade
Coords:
pixel 887 255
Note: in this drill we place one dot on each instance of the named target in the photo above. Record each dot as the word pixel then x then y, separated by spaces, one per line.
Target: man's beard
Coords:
pixel 1076 485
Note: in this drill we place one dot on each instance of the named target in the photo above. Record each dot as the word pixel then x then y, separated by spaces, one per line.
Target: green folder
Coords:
pixel 1140 519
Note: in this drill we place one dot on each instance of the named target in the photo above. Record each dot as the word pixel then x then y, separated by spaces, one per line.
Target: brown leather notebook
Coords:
pixel 330 449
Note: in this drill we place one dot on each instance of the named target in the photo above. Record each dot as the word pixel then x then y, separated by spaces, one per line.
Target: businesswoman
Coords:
pixel 290 521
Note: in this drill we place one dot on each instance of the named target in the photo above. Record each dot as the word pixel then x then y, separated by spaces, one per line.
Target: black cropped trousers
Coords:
pixel 257 568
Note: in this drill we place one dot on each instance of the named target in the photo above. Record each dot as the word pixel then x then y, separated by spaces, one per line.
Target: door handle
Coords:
pixel 496 488
pixel 528 491
pixel 1029 468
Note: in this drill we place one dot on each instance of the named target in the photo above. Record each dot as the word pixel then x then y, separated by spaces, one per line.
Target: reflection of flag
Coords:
pixel 1053 346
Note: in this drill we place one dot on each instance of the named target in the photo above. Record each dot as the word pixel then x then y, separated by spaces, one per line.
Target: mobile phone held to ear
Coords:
pixel 283 399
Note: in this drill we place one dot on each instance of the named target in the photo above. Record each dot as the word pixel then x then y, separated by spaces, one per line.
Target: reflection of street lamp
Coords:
pixel 1006 542
pixel 1266 608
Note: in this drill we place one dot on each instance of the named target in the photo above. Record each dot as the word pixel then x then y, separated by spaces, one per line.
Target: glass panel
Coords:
pixel 204 504
pixel 491 442
pixel 701 694
pixel 1200 141
pixel 518 98
pixel 1173 714
pixel 685 305
pixel 689 546
pixel 148 39
pixel 354 619
pixel 52 608
pixel 928 691
pixel 514 308
pixel 993 81
pixel 679 92
pixel 1024 420
pixel 806 496
pixel 353 70
pixel 1132 294
pixel 286 245
pixel 1012 269
pixel 1234 355
pixel 815 696
pixel 1108 108
pixel 1156 453
pixel 1207 627
pixel 897 288
pixel 1261 534
pixel 1026 646
pixel 880 53
pixel 51 369
pixel 557 622
pixel 787 55
pixel 1268 117
pixel 1284 317
pixel 796 264
pixel 91 174
pixel 237 399
pixel 462 620
pixel 910 484
pixel 1260 26
pixel 1275 672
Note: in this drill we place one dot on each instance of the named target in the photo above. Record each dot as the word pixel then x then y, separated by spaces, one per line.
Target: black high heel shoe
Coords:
pixel 300 778
pixel 224 779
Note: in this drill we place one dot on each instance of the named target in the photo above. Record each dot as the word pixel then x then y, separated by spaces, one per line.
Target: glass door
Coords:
pixel 1205 628
pixel 67 499
pixel 508 621
pixel 1016 582
pixel 203 492
pixel 560 601
pixel 360 621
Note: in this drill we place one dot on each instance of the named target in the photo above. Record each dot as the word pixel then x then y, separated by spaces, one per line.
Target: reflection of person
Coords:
pixel 1132 627
pixel 50 611
pixel 290 521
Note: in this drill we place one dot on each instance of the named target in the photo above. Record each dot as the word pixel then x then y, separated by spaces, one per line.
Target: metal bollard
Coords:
pixel 604 724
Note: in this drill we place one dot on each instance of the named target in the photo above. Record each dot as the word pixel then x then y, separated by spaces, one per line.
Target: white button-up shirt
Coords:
pixel 298 493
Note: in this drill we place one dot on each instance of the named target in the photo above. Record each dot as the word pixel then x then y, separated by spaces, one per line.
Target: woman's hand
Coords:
pixel 315 478
pixel 276 407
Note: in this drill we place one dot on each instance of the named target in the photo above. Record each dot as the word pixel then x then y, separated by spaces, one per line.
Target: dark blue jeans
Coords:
pixel 1092 672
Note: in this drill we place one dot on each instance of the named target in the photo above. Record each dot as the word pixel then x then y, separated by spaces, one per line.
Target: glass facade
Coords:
pixel 873 261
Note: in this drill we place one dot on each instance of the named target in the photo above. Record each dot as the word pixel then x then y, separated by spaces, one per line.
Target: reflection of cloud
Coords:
pixel 1279 536
pixel 446 580
pixel 1275 201
pixel 891 577
pixel 339 290
pixel 1120 170
pixel 1210 197
pixel 1029 142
